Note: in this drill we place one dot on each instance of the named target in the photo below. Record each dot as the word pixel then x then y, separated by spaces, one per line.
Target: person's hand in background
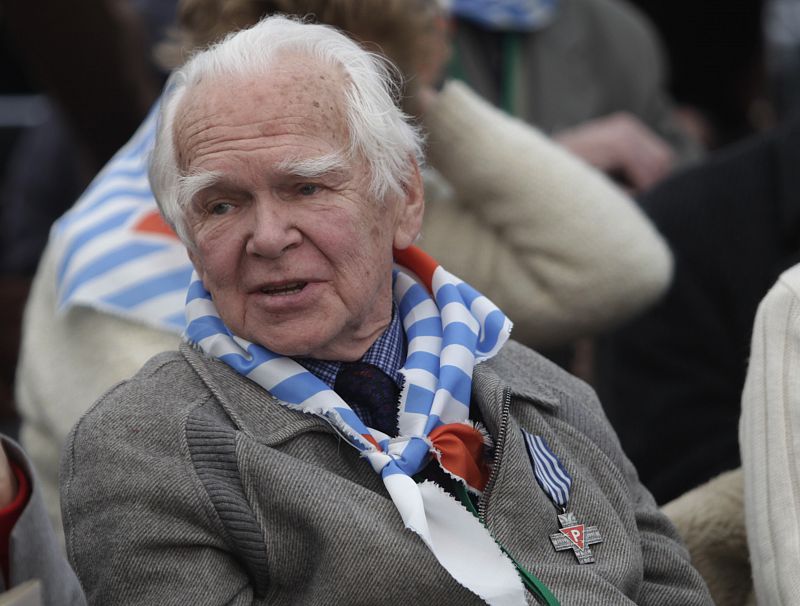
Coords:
pixel 621 146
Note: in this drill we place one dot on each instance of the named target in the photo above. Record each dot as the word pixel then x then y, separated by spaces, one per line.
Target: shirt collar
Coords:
pixel 387 353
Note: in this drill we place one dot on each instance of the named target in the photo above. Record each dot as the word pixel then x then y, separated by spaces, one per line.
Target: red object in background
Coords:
pixel 154 223
pixel 10 514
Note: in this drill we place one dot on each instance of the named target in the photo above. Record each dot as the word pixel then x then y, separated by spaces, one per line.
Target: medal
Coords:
pixel 576 537
pixel 556 483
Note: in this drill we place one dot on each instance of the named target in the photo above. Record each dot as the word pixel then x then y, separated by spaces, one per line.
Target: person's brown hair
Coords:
pixel 400 29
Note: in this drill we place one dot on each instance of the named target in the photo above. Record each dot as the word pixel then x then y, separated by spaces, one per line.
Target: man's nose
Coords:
pixel 274 229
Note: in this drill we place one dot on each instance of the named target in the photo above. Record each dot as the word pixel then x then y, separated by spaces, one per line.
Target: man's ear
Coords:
pixel 192 252
pixel 411 208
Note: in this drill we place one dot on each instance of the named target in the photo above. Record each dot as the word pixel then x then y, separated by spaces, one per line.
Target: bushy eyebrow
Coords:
pixel 306 168
pixel 190 185
pixel 313 168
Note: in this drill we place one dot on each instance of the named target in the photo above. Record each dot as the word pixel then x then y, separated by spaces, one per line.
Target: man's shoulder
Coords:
pixel 137 426
pixel 531 375
pixel 164 389
pixel 790 280
pixel 781 303
pixel 542 390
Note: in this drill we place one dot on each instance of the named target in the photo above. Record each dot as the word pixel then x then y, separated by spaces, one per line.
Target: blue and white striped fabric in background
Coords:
pixel 507 15
pixel 109 257
pixel 550 473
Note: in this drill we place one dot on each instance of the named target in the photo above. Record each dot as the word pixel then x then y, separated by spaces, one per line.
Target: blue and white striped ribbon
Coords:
pixel 550 473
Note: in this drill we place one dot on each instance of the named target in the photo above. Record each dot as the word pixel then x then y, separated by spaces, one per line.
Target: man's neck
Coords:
pixel 388 353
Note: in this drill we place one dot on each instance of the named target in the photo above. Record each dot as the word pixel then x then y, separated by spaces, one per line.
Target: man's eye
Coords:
pixel 220 208
pixel 307 189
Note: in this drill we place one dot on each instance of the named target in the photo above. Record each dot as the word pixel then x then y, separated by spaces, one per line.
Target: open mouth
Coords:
pixel 284 289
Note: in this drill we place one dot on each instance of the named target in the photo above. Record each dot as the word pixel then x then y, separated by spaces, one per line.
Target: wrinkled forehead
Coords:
pixel 293 92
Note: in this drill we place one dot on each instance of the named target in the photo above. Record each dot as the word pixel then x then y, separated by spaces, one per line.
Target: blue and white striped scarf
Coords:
pixel 447 333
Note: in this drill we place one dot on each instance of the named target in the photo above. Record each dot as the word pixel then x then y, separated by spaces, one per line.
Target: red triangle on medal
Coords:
pixel 574 534
pixel 577 537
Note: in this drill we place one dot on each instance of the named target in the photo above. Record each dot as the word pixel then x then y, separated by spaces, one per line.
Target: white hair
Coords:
pixel 379 131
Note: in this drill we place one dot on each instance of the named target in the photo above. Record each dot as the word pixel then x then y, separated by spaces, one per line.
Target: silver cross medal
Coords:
pixel 577 537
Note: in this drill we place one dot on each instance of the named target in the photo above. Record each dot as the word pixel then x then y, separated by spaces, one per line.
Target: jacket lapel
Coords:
pixel 512 492
pixel 254 411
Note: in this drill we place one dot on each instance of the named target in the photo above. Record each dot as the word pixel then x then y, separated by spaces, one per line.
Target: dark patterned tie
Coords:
pixel 371 393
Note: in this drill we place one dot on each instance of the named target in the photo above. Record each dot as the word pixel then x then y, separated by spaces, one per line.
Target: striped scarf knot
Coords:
pixel 449 328
pixel 457 447
pixel 404 454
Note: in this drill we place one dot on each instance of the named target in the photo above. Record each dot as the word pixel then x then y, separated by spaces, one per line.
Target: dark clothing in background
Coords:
pixel 671 380
pixel 93 59
pixel 715 50
pixel 597 57
pixel 46 173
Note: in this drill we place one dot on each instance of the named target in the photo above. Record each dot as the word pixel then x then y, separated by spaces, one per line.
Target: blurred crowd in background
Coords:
pixel 693 115
pixel 76 81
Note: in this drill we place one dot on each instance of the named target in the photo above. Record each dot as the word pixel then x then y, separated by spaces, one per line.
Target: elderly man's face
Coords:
pixel 297 262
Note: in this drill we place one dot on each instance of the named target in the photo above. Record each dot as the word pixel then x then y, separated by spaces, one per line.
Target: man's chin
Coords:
pixel 329 350
pixel 294 345
pixel 316 338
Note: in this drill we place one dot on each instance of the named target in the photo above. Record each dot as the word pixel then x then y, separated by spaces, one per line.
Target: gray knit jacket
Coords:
pixel 189 484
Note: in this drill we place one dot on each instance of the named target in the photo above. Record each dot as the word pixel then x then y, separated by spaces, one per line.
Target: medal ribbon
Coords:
pixel 548 470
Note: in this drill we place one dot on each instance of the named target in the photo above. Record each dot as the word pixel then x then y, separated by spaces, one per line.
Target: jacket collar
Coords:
pixel 253 410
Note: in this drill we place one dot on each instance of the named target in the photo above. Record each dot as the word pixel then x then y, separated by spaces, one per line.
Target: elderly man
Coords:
pixel 321 440
pixel 578 256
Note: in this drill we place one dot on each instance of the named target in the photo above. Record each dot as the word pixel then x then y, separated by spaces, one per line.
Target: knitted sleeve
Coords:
pixel 139 527
pixel 770 444
pixel 559 248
